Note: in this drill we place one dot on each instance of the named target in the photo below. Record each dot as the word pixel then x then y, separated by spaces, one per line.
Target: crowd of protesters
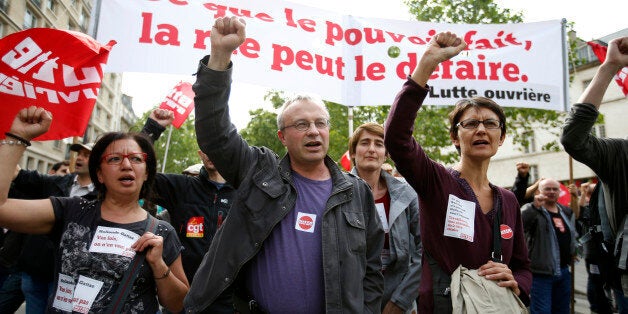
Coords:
pixel 250 232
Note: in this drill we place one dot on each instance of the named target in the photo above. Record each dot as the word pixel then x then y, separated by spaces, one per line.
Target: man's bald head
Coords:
pixel 550 188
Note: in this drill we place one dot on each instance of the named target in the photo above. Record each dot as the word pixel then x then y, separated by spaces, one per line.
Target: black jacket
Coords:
pixel 193 202
pixel 519 189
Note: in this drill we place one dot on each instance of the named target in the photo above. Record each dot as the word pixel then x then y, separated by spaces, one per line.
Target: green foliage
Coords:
pixel 183 146
pixel 462 11
pixel 262 131
pixel 431 130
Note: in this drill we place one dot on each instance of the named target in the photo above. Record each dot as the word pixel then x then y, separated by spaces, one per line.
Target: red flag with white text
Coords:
pixel 622 76
pixel 55 69
pixel 181 101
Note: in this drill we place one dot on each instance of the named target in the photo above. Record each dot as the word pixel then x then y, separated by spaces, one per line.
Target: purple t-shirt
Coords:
pixel 286 276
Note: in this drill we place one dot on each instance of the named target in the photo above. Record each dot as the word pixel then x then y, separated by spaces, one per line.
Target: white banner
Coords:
pixel 345 59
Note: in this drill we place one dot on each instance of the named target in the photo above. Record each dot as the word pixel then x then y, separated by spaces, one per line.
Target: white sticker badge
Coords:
pixel 79 297
pixel 460 219
pixel 85 293
pixel 114 241
pixel 64 293
pixel 305 222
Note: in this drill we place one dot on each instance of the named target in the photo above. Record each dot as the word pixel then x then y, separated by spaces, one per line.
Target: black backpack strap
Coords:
pixel 126 284
pixel 496 255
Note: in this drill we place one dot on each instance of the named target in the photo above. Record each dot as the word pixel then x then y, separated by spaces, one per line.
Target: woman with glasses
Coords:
pixel 458 205
pixel 98 240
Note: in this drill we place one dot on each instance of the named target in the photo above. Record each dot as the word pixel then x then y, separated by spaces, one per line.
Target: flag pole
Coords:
pixel 73 155
pixel 565 45
pixel 96 18
pixel 565 65
pixel 163 166
pixel 573 266
pixel 350 117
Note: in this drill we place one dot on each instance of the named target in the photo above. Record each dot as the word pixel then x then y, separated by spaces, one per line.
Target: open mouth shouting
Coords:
pixel 127 180
pixel 314 145
pixel 480 142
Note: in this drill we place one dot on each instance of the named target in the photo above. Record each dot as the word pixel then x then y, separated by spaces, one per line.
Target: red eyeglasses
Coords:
pixel 117 158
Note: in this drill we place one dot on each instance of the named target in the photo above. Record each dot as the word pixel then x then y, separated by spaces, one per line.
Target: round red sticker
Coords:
pixel 505 231
pixel 306 222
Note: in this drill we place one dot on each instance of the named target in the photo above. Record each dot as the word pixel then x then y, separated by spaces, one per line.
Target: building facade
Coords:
pixel 112 111
pixel 557 164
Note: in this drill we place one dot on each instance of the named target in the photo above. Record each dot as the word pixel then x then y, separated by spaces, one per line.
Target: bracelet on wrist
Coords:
pixel 166 274
pixel 12 142
pixel 20 139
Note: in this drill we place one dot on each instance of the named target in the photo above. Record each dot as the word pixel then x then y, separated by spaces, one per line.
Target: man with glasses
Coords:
pixel 551 246
pixel 302 236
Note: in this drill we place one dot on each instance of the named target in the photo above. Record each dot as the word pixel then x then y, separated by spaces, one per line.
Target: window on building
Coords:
pixel 31 163
pixel 51 5
pixel 4 6
pixel 530 147
pixel 58 144
pixel 30 19
pixel 37 3
pixel 534 173
pixel 86 137
pixel 83 20
pixel 41 166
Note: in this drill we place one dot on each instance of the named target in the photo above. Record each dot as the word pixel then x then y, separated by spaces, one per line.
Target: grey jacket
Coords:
pixel 403 275
pixel 541 238
pixel 352 234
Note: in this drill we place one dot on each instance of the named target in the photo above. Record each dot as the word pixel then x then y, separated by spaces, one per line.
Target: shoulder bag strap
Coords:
pixel 497 242
pixel 126 284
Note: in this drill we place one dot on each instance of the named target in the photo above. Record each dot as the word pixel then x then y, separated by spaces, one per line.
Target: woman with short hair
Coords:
pixel 458 204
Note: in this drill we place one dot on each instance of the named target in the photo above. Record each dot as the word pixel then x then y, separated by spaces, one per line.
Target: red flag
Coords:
pixel 55 69
pixel 345 161
pixel 180 100
pixel 622 76
pixel 564 197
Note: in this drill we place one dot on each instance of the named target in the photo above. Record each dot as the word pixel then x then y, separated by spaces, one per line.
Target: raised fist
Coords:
pixel 31 122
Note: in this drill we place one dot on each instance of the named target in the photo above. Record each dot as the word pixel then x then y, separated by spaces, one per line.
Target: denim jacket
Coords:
pixel 352 234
